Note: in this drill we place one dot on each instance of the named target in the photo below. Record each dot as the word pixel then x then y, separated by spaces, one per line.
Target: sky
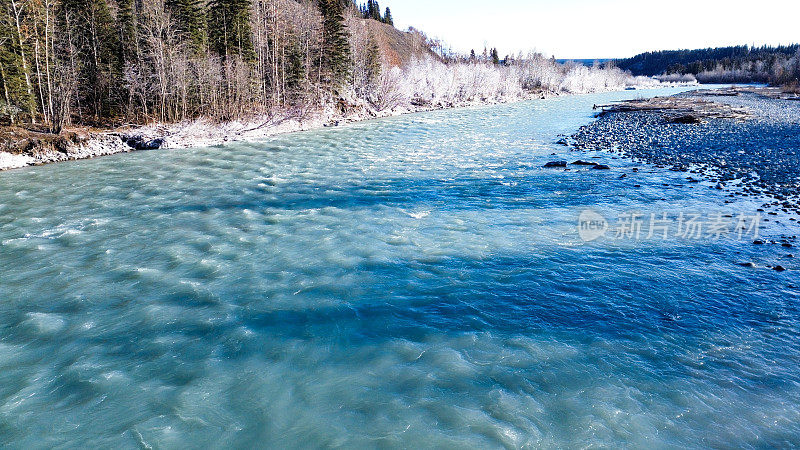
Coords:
pixel 588 29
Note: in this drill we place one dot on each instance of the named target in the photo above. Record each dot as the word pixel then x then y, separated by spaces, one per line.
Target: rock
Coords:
pixel 601 167
pixel 758 242
pixel 748 264
pixel 685 119
pixel 552 164
pixel 624 175
pixel 140 143
pixel 787 245
pixel 562 142
pixel 779 268
pixel 583 163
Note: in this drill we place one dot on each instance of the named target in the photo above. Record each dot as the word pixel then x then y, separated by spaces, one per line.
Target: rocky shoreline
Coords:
pixel 745 141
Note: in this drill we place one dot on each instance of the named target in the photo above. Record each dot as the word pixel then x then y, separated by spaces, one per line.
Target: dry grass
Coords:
pixel 398 47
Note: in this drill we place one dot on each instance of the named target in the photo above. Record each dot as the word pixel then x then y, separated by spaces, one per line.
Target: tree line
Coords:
pixel 106 62
pixel 743 63
pixel 372 10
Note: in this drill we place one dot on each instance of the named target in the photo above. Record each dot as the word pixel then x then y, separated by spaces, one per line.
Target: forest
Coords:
pixel 778 65
pixel 106 63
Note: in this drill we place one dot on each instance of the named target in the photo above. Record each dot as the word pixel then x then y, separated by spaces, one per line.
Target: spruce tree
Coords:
pixel 15 97
pixel 373 10
pixel 387 17
pixel 295 67
pixel 495 57
pixel 229 28
pixel 336 47
pixel 127 25
pixel 373 61
pixel 188 18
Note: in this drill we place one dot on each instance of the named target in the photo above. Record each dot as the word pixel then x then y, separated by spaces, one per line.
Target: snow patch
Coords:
pixel 12 161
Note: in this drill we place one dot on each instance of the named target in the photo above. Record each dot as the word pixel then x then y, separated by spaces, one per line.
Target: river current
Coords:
pixel 417 281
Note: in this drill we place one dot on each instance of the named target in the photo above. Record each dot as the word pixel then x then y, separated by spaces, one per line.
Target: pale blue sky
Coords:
pixel 599 29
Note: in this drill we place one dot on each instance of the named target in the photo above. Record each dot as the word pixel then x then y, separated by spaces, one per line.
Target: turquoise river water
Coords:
pixel 417 281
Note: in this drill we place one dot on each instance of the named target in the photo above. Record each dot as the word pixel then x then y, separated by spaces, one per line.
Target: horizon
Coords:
pixel 580 29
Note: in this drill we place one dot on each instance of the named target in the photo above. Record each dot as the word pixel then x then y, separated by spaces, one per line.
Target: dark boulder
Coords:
pixel 140 143
pixel 581 162
pixel 685 119
pixel 553 164
pixel 601 167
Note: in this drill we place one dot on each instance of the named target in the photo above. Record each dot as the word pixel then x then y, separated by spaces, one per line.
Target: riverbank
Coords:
pixel 21 147
pixel 745 141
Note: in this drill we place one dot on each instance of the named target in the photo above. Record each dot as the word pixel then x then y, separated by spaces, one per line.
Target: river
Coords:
pixel 417 281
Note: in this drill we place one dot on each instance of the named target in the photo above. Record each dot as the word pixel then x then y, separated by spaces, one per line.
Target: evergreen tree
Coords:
pixel 127 25
pixel 335 47
pixel 387 17
pixel 373 61
pixel 295 68
pixel 15 61
pixel 229 28
pixel 495 57
pixel 188 18
pixel 373 10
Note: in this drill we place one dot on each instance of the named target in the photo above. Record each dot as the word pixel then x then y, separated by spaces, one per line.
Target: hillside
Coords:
pixel 397 47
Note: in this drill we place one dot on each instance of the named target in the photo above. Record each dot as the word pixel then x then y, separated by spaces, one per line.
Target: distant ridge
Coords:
pixel 697 61
pixel 586 61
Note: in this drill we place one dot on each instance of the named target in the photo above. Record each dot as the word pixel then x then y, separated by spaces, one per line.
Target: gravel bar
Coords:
pixel 756 156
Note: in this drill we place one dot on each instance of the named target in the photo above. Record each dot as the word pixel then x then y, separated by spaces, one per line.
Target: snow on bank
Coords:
pixel 421 85
pixel 12 161
pixel 92 145
pixel 205 133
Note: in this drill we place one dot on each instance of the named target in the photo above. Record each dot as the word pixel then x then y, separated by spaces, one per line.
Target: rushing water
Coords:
pixel 413 281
